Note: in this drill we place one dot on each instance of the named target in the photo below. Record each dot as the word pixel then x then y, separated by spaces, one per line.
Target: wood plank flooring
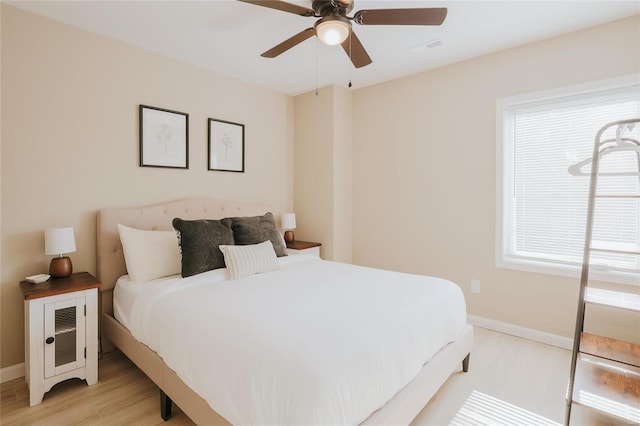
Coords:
pixel 122 396
pixel 511 381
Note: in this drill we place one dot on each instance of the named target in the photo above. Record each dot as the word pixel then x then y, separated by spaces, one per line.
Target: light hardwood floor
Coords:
pixel 511 381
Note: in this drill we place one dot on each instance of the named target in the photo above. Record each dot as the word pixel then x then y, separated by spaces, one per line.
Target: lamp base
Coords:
pixel 288 236
pixel 60 267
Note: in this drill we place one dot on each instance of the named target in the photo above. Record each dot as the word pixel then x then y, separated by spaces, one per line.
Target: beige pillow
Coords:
pixel 249 259
pixel 150 254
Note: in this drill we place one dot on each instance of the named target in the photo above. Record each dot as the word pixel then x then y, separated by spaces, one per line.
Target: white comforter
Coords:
pixel 316 342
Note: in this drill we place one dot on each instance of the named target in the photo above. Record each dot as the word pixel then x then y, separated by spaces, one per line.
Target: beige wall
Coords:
pixel 322 188
pixel 70 143
pixel 424 162
pixel 413 159
pixel 342 176
pixel 313 160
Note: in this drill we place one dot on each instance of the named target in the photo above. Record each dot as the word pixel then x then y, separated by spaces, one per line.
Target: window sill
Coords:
pixel 571 271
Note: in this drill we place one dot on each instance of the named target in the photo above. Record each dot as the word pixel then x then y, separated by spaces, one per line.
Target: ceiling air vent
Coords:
pixel 431 44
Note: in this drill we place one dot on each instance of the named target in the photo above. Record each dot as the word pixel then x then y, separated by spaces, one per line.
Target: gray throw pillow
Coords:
pixel 257 229
pixel 199 241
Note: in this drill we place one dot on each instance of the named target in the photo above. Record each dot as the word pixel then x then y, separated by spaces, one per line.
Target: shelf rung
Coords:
pixel 63 330
pixel 619 174
pixel 608 387
pixel 610 247
pixel 616 251
pixel 617 196
pixel 616 299
pixel 615 247
pixel 615 350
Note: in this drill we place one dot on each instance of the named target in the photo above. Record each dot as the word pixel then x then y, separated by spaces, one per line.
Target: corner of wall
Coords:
pixel 322 174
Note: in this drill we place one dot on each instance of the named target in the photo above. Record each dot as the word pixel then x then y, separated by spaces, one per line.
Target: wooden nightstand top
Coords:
pixel 76 282
pixel 302 245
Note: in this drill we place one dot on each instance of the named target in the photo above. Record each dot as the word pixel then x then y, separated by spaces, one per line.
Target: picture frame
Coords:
pixel 164 138
pixel 226 146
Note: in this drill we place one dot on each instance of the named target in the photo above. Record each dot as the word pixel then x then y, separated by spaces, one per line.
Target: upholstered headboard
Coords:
pixel 110 258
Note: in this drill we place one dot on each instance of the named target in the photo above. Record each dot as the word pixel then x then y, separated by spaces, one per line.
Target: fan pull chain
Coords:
pixel 350 61
pixel 317 66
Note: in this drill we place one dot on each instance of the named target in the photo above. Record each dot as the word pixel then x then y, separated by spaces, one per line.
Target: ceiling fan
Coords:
pixel 334 26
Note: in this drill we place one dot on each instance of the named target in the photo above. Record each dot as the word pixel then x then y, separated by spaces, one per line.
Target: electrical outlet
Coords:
pixel 475 286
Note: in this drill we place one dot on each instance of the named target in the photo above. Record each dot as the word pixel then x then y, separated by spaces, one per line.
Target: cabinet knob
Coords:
pixel 49 340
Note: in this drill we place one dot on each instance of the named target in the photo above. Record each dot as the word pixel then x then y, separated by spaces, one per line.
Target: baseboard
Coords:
pixel 524 332
pixel 11 372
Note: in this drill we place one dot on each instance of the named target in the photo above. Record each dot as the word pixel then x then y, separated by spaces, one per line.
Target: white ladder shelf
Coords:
pixel 605 372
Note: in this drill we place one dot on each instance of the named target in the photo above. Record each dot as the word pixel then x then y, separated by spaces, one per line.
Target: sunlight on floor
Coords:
pixel 482 409
pixel 618 409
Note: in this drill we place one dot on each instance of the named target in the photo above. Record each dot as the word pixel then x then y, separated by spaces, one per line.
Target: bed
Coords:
pixel 312 354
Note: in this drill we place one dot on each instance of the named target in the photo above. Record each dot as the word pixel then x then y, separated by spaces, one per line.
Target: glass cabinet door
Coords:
pixel 64 333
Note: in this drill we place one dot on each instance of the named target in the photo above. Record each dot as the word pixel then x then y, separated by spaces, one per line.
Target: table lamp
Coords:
pixel 58 241
pixel 288 222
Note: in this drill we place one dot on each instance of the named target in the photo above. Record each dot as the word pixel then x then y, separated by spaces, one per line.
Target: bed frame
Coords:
pixel 402 409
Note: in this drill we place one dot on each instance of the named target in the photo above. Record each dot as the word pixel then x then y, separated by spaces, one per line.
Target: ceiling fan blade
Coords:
pixel 356 51
pixel 426 16
pixel 283 6
pixel 288 43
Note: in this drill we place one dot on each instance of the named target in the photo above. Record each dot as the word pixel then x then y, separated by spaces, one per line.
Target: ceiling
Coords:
pixel 228 36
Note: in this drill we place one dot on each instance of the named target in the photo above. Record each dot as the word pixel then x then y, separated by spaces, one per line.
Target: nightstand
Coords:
pixel 303 247
pixel 61 332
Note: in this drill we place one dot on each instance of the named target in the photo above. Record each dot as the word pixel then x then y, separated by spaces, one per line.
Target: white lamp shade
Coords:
pixel 59 241
pixel 333 32
pixel 288 221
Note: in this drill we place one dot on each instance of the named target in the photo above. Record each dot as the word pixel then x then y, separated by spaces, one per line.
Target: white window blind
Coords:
pixel 544 207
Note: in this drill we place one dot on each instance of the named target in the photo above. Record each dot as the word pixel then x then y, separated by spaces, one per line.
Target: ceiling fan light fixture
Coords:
pixel 332 30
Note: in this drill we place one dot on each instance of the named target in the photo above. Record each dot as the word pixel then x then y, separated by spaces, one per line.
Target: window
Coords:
pixel 541 207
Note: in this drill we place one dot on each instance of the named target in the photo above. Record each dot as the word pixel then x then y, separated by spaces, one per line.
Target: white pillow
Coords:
pixel 150 254
pixel 249 259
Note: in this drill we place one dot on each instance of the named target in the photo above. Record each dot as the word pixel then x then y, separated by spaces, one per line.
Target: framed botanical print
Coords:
pixel 226 146
pixel 164 138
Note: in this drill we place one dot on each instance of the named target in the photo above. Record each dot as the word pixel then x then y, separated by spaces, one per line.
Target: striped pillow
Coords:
pixel 250 259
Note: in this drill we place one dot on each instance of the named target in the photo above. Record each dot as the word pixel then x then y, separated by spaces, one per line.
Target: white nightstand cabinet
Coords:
pixel 61 327
pixel 303 247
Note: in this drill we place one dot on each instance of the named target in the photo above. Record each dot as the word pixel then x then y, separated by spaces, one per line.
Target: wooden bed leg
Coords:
pixel 465 362
pixel 165 406
pixel 105 345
